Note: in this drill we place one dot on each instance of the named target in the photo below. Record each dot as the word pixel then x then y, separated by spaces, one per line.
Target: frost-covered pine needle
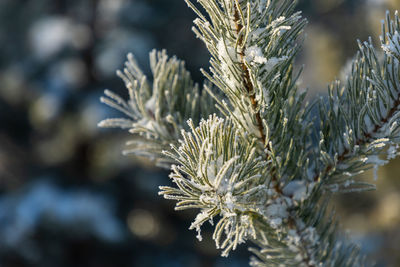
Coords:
pixel 245 150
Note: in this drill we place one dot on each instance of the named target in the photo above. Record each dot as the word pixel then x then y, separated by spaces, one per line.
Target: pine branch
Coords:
pixel 360 121
pixel 286 193
pixel 157 112
pixel 253 167
pixel 246 73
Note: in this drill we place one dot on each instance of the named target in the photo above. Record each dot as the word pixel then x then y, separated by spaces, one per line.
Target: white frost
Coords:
pixel 254 55
pixel 374 159
pixel 311 235
pixel 273 62
pixel 276 210
pixel 247 122
pixel 392 47
pixel 212 169
pixel 276 222
pixel 227 55
pixel 230 201
pixel 392 151
pixel 277 26
pixel 296 189
pixel 198 222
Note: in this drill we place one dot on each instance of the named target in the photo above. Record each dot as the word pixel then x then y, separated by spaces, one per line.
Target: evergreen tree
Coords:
pixel 245 149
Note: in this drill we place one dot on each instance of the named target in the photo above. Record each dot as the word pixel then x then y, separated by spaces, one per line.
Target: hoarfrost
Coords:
pixel 281 30
pixel 247 121
pixel 230 201
pixel 212 169
pixel 276 210
pixel 254 55
pixel 311 235
pixel 277 26
pixel 225 51
pixel 198 222
pixel 374 159
pixel 276 222
pixel 392 47
pixel 227 56
pixel 392 151
pixel 273 62
pixel 293 239
pixel 296 189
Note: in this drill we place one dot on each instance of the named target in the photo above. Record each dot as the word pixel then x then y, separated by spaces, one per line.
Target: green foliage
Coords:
pixel 253 168
pixel 157 111
pixel 360 120
pixel 220 173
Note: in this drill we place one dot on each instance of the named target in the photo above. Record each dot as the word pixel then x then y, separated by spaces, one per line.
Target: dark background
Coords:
pixel 67 195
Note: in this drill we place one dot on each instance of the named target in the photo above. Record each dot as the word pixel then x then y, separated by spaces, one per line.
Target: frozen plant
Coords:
pixel 245 151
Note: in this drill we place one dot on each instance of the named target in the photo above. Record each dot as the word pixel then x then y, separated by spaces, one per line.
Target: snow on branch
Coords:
pixel 261 170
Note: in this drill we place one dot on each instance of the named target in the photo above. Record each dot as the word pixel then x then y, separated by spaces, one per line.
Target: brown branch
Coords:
pixel 246 78
pixel 252 94
pixel 250 90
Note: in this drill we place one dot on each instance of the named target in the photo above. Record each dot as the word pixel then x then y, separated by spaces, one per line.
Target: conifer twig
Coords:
pixel 276 197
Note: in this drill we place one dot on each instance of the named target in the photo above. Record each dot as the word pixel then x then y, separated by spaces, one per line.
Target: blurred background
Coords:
pixel 68 198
